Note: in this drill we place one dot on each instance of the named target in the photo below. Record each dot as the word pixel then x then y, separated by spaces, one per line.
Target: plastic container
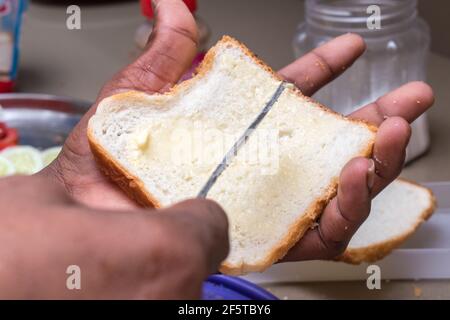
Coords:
pixel 220 287
pixel 425 255
pixel 10 22
pixel 144 31
pixel 396 52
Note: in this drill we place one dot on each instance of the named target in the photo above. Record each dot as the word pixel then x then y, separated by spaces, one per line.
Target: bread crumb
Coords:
pixel 417 291
pixel 290 85
pixel 314 225
pixel 377 161
pixel 380 162
pixel 394 102
pixel 320 65
pixel 418 101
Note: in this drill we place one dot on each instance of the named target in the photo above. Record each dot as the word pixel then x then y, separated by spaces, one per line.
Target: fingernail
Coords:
pixel 371 174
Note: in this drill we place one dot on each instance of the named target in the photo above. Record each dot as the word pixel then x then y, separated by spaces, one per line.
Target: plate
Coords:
pixel 43 120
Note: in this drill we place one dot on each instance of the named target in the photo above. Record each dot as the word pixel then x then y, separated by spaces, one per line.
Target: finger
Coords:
pixel 342 216
pixel 323 64
pixel 172 45
pixel 409 102
pixel 170 51
pixel 209 225
pixel 389 151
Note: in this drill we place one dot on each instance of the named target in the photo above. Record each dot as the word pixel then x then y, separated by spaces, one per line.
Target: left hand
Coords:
pixel 361 179
pixel 171 48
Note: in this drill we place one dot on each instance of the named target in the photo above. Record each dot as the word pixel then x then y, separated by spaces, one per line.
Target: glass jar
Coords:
pixel 145 29
pixel 396 52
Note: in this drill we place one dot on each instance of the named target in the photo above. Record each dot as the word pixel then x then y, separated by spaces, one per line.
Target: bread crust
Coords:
pixel 135 188
pixel 293 235
pixel 378 251
pixel 130 184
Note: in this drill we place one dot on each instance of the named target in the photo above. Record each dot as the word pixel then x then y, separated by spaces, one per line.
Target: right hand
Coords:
pixel 122 254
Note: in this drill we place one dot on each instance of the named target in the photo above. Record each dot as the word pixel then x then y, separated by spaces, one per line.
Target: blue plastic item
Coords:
pixel 221 287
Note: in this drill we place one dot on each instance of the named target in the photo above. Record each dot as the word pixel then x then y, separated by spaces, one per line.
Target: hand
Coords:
pixel 171 49
pixel 361 179
pixel 70 214
pixel 122 254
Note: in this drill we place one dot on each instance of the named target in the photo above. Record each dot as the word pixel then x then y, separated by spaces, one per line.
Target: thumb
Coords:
pixel 170 51
pixel 207 223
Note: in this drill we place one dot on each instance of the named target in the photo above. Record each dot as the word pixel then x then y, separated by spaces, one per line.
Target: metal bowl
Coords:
pixel 42 120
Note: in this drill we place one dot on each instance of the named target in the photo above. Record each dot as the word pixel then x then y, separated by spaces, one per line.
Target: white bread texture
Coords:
pixel 162 148
pixel 395 214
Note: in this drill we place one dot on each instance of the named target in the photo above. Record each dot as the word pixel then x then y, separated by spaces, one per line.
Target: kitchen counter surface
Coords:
pixel 76 63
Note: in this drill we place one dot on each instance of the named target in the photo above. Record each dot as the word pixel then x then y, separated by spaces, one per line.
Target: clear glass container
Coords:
pixel 396 52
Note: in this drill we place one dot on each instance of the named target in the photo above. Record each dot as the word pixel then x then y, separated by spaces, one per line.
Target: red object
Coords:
pixel 147 10
pixel 2 130
pixel 6 86
pixel 8 136
pixel 5 9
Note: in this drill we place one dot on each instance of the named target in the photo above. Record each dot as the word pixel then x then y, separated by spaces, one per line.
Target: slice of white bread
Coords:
pixel 162 148
pixel 396 213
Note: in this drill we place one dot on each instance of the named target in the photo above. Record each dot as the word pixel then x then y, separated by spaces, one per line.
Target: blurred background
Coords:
pixel 76 63
pixel 108 30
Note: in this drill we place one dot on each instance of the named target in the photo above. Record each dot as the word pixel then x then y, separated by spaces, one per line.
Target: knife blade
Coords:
pixel 232 153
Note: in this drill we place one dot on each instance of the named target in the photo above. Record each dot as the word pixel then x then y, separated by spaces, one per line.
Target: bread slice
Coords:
pixel 396 213
pixel 162 148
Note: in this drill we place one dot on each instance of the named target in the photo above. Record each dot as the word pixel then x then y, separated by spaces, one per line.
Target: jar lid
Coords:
pixel 147 10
